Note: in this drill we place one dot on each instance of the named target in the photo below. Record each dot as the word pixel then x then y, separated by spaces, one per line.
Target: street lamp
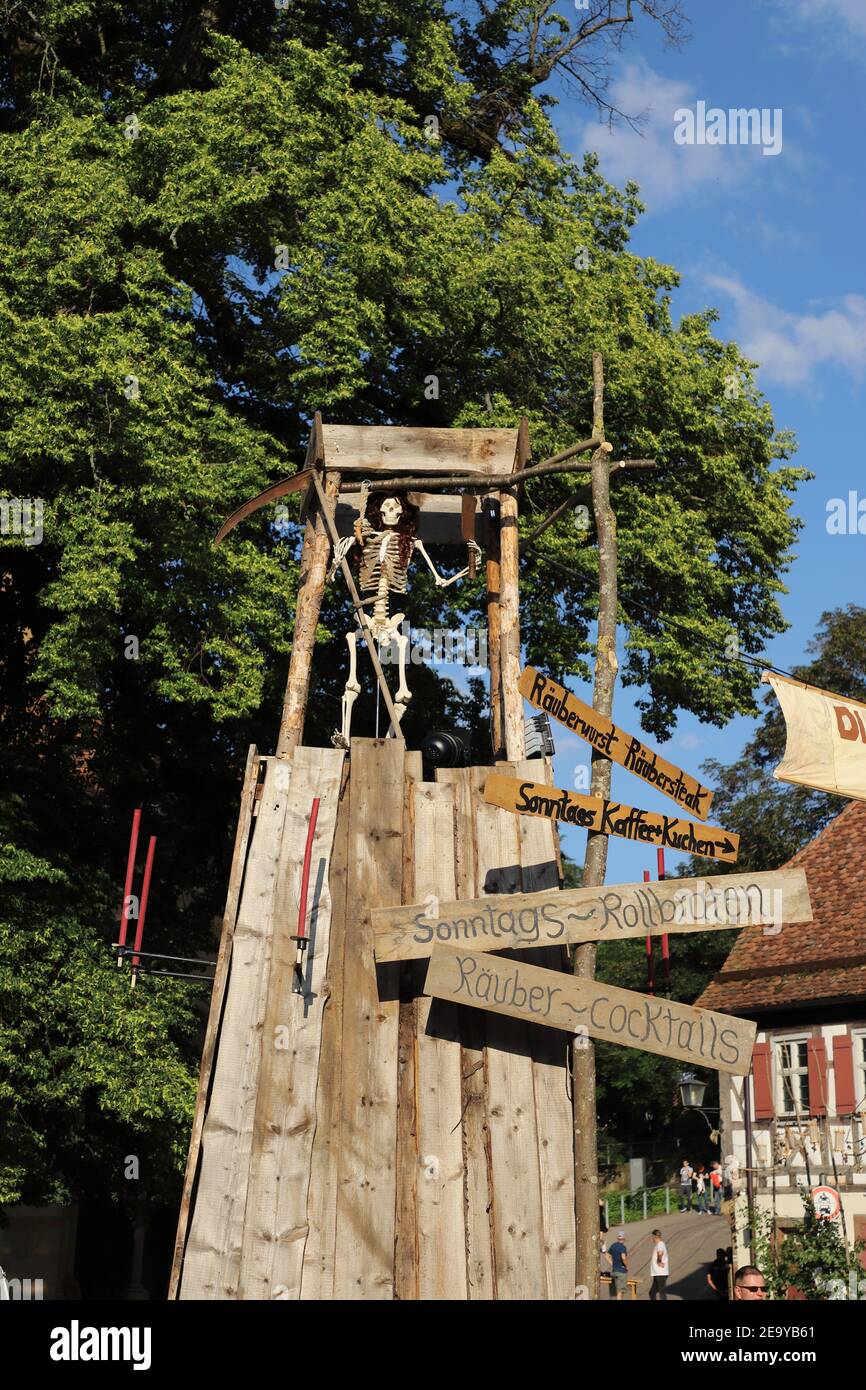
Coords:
pixel 692 1092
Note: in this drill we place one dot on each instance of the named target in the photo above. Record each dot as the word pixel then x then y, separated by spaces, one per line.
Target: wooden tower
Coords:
pixel 357 1140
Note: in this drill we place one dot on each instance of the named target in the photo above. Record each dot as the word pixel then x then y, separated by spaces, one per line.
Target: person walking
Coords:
pixel 717 1275
pixel 715 1189
pixel 701 1190
pixel 687 1172
pixel 618 1256
pixel 659 1269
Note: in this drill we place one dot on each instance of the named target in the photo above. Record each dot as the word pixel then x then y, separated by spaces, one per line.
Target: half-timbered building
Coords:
pixel 799 1119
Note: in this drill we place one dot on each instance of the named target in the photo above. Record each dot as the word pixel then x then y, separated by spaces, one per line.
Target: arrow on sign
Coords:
pixel 611 818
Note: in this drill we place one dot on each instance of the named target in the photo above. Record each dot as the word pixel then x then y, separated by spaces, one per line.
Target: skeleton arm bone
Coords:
pixel 441 582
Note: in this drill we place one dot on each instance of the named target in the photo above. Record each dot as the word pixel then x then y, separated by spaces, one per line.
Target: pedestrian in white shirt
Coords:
pixel 659 1268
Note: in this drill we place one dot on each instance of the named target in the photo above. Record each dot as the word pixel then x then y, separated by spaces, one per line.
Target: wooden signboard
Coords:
pixel 614 743
pixel 508 986
pixel 612 913
pixel 611 818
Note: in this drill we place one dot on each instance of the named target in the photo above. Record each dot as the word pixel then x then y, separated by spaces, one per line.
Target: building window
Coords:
pixel 859 1043
pixel 792 1072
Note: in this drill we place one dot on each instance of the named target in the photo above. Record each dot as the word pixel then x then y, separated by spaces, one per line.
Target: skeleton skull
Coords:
pixel 392 510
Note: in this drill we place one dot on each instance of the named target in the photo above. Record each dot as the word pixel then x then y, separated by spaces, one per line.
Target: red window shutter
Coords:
pixel 762 1072
pixel 817 1057
pixel 843 1073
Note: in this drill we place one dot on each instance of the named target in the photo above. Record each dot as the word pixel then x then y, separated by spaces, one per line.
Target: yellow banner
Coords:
pixel 826 747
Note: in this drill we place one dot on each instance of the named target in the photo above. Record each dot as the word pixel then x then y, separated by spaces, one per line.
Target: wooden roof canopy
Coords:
pixel 431 462
pixel 368 450
pixel 433 458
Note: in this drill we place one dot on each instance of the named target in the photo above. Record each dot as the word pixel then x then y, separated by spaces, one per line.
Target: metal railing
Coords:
pixel 622 1207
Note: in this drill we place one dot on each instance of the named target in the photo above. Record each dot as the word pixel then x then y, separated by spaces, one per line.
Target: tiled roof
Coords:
pixel 809 962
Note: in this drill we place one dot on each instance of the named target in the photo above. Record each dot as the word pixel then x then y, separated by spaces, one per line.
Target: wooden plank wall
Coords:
pixel 235 1168
pixel 398 1147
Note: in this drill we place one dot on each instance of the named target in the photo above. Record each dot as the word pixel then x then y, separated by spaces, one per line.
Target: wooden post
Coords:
pixel 509 609
pixel 595 863
pixel 494 648
pixel 314 568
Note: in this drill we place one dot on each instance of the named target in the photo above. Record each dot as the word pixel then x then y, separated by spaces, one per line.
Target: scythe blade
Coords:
pixel 270 494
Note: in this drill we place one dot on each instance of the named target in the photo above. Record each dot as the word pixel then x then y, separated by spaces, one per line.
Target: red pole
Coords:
pixel 666 945
pixel 305 876
pixel 650 974
pixel 145 890
pixel 130 870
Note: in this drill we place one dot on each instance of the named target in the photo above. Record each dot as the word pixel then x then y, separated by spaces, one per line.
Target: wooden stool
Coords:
pixel 607 1279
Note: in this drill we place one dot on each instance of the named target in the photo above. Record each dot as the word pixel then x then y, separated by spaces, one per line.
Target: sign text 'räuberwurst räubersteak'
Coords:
pixel 614 743
pixel 611 818
pixel 611 913
pixel 551 997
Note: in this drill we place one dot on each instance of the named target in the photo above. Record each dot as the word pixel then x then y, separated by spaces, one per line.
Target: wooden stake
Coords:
pixel 595 862
pixel 509 609
pixel 494 646
pixel 314 569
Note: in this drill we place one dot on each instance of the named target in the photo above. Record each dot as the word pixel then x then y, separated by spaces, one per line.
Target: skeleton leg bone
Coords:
pixel 350 693
pixel 403 694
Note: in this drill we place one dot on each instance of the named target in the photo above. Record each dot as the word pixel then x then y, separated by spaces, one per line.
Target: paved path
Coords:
pixel 692 1241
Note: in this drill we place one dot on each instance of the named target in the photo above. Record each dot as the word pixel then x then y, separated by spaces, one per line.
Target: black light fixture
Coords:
pixel 444 748
pixel 692 1091
pixel 538 740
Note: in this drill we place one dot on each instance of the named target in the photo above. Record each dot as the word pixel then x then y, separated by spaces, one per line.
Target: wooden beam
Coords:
pixel 481 482
pixel 589 1009
pixel 509 608
pixel 494 634
pixel 410 448
pixel 621 911
pixel 314 570
pixel 595 861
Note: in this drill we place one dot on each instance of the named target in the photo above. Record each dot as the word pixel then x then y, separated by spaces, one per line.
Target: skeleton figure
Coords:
pixel 386 535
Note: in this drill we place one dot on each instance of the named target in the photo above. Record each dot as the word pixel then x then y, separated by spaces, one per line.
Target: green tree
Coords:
pixel 214 219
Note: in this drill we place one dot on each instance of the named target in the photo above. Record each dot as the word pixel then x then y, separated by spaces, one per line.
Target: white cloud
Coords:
pixel 689 741
pixel 851 13
pixel 668 173
pixel 791 346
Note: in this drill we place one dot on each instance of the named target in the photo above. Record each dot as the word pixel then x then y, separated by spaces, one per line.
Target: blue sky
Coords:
pixel 777 244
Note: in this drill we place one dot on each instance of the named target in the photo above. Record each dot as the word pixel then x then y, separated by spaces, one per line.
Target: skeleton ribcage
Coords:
pixel 381 556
